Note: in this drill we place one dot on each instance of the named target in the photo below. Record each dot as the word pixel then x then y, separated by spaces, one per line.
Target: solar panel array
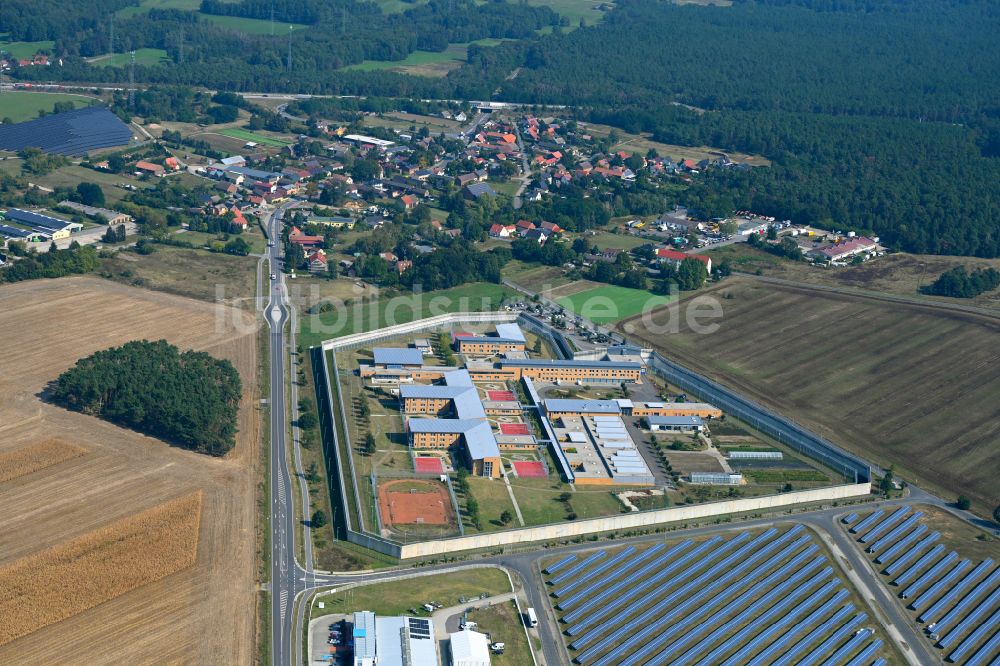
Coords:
pixel 753 598
pixel 71 133
pixel 959 607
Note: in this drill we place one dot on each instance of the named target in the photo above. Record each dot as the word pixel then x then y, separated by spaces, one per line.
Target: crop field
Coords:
pixel 246 135
pixel 954 594
pixel 20 106
pixel 35 457
pixel 187 616
pixel 609 303
pixel 103 564
pixel 898 384
pixel 746 597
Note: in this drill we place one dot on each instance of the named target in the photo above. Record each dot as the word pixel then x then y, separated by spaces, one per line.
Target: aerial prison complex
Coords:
pixel 471 412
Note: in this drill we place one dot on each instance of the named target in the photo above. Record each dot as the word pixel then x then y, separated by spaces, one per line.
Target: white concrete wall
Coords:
pixel 419 325
pixel 628 521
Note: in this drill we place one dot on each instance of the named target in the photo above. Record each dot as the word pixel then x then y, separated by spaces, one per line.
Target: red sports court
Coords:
pixel 514 429
pixel 529 470
pixel 501 396
pixel 428 465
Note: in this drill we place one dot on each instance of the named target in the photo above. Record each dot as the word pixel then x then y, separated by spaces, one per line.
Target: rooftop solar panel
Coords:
pixel 72 133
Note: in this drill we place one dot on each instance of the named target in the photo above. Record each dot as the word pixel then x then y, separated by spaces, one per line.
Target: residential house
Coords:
pixel 149 167
pixel 502 230
pixel 524 226
pixel 479 190
pixel 317 261
pixel 675 258
pixel 552 228
pixel 305 240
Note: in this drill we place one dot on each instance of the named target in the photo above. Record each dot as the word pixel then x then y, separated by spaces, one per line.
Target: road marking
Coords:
pixel 284 602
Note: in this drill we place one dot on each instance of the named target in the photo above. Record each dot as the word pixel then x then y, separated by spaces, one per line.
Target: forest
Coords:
pixel 186 398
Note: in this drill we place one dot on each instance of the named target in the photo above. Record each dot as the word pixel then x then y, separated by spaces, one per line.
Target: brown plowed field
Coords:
pixel 910 385
pixel 203 614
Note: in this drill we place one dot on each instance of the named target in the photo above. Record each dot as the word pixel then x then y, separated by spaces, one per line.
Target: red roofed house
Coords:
pixel 409 201
pixel 317 262
pixel 552 227
pixel 523 226
pixel 149 167
pixel 502 230
pixel 403 265
pixel 296 236
pixel 172 163
pixel 674 257
pixel 238 218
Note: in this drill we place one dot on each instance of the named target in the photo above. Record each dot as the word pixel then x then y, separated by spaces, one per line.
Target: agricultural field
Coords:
pixel 642 143
pixel 942 571
pixel 576 10
pixel 251 26
pixel 726 599
pixel 425 63
pixel 609 303
pixel 145 5
pixel 142 57
pixel 404 121
pixel 899 384
pixel 181 524
pixel 20 106
pixel 246 135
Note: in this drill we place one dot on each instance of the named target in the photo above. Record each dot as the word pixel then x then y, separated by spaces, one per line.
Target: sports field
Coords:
pixel 609 303
pixel 20 106
pixel 914 386
pixel 246 135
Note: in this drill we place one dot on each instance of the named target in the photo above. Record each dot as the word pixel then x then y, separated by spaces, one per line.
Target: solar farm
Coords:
pixel 955 598
pixel 71 133
pixel 755 598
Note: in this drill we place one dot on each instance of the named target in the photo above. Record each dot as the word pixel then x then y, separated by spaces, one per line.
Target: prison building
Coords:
pixel 558 407
pixel 474 437
pixel 398 358
pixel 508 337
pixel 675 423
pixel 700 409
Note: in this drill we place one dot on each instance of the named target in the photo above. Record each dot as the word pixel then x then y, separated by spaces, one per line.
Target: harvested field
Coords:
pixel 34 457
pixel 408 502
pixel 905 384
pixel 102 565
pixel 188 617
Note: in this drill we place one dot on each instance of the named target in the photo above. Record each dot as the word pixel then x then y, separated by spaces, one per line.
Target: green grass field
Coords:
pixel 246 135
pixel 24 49
pixel 251 26
pixel 426 63
pixel 146 5
pixel 574 10
pixel 142 57
pixel 609 303
pixel 20 106
pixel 362 315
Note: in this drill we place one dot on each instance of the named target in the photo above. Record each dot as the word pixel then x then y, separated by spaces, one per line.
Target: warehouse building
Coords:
pixel 111 217
pixel 599 449
pixel 393 641
pixel 508 337
pixel 469 648
pixel 51 227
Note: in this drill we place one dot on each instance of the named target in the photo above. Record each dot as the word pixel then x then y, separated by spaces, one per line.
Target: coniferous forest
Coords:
pixel 186 398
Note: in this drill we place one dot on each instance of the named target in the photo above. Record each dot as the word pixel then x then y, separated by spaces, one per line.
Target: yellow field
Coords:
pixel 193 616
pixel 102 565
pixel 34 457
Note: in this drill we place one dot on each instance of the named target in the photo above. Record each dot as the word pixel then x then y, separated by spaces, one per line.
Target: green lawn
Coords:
pixel 426 63
pixel 251 26
pixel 539 501
pixel 609 303
pixel 493 500
pixel 25 49
pixel 146 5
pixel 574 10
pixel 142 57
pixel 360 315
pixel 397 598
pixel 247 135
pixel 71 176
pixel 604 240
pixel 20 106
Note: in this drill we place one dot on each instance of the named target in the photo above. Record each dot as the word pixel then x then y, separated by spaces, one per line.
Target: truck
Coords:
pixel 532 618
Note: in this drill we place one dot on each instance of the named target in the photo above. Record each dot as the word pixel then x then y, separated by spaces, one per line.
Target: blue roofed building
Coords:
pixel 508 337
pixel 398 357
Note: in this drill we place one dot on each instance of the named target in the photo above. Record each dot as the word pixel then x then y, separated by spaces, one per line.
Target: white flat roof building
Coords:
pixel 469 648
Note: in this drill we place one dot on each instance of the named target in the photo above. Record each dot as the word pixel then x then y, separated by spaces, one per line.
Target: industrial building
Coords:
pixel 508 337
pixel 111 217
pixel 717 478
pixel 393 641
pixel 469 648
pixel 396 358
pixel 44 225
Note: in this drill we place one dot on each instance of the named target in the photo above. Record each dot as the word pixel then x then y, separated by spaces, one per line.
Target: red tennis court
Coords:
pixel 501 396
pixel 428 465
pixel 514 429
pixel 529 470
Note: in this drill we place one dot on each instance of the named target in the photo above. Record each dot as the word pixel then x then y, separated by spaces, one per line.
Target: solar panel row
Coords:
pixel 604 566
pixel 572 571
pixel 837 636
pixel 952 594
pixel 967 601
pixel 867 522
pixel 809 621
pixel 71 133
pixel 814 635
pixel 898 547
pixel 930 575
pixel 862 657
pixel 552 568
pixel 848 647
pixel 905 558
pixel 895 533
pixel 971 619
pixel 886 523
pixel 936 588
pixel 977 635
pixel 569 602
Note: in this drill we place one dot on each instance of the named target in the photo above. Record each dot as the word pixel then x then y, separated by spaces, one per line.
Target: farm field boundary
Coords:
pixel 35 457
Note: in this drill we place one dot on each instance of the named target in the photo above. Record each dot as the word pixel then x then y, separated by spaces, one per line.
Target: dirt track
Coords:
pixel 202 615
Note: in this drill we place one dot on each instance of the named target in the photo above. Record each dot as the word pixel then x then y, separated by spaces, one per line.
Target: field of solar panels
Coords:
pixel 955 598
pixel 748 598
